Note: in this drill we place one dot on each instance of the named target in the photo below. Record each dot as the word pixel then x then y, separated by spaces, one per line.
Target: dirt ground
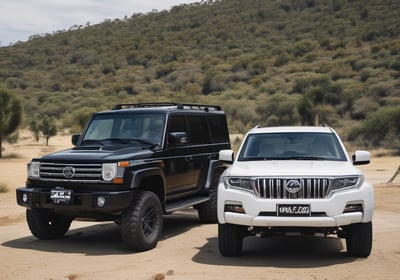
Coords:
pixel 188 249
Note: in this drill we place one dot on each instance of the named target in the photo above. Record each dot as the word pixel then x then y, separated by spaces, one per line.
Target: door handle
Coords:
pixel 189 158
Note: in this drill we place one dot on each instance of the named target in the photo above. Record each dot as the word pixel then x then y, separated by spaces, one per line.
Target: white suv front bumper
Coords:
pixel 327 212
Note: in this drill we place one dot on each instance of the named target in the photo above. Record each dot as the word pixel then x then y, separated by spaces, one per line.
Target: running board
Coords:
pixel 181 204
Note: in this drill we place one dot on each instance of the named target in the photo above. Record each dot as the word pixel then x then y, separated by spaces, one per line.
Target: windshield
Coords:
pixel 286 146
pixel 125 128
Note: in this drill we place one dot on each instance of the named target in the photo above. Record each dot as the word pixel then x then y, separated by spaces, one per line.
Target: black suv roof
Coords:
pixel 169 106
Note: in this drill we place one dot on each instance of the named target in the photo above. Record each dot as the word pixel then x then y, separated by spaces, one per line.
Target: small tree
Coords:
pixel 46 128
pixel 33 126
pixel 10 115
pixel 306 110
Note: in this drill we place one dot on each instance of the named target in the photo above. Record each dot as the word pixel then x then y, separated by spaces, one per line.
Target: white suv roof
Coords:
pixel 320 129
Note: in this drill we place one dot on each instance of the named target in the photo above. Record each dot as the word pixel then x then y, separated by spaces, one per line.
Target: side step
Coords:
pixel 181 204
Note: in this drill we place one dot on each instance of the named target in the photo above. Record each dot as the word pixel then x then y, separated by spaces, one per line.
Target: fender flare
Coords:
pixel 216 167
pixel 139 175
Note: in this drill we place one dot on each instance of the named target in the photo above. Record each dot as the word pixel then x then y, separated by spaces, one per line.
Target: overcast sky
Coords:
pixel 20 19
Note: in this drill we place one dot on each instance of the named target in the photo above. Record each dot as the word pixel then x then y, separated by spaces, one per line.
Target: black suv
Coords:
pixel 130 165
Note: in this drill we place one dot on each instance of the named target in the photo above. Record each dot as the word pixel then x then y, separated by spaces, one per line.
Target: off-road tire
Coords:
pixel 207 211
pixel 359 239
pixel 142 222
pixel 230 239
pixel 46 225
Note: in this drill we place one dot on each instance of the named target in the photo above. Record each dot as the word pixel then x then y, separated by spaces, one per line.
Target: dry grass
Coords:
pixel 11 155
pixel 72 277
pixel 3 188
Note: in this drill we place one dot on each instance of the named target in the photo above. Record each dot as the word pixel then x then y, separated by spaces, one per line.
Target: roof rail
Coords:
pixel 182 106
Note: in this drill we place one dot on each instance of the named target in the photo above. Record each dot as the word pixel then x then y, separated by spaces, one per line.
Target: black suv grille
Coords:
pixel 71 172
pixel 290 188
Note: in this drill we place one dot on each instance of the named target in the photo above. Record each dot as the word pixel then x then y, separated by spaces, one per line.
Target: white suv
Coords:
pixel 294 180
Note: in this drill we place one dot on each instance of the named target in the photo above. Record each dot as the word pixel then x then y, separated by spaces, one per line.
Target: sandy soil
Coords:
pixel 188 249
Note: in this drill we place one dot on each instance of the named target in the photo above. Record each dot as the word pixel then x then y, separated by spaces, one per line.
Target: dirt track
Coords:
pixel 188 249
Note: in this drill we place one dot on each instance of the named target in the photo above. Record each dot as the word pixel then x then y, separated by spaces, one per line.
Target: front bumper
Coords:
pixel 322 222
pixel 82 203
pixel 334 211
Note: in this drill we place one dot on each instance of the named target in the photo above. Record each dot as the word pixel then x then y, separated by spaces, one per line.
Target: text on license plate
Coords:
pixel 61 196
pixel 293 210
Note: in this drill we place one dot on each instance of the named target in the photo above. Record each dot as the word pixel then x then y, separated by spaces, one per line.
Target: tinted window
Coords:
pixel 177 124
pixel 201 129
pixel 219 129
pixel 198 130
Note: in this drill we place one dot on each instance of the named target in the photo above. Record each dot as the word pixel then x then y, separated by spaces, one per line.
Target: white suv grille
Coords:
pixel 290 188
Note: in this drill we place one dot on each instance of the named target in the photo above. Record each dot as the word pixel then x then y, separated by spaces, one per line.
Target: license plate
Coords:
pixel 61 196
pixel 293 210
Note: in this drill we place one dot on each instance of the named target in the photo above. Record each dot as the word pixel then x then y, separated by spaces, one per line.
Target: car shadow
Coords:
pixel 280 252
pixel 103 238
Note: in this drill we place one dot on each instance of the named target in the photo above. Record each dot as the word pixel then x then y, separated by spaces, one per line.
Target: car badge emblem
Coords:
pixel 69 172
pixel 293 186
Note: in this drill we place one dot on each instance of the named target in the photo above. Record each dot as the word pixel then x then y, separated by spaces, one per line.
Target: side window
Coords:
pixel 218 128
pixel 176 124
pixel 198 130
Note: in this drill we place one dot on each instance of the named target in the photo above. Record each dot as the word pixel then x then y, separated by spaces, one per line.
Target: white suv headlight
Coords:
pixel 347 182
pixel 34 169
pixel 246 184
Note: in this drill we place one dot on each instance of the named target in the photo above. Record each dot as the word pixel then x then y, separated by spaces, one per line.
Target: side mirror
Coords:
pixel 361 157
pixel 177 139
pixel 75 138
pixel 226 156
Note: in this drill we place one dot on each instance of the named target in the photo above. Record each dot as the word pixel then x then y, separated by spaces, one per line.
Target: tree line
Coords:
pixel 266 62
pixel 380 129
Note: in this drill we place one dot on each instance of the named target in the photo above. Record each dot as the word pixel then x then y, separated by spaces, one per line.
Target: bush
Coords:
pixel 3 188
pixel 381 128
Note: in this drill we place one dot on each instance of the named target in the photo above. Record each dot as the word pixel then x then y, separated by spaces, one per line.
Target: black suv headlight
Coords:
pixel 34 169
pixel 114 172
pixel 246 184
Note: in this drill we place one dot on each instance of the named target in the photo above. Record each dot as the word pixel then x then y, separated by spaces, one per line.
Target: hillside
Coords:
pixel 265 61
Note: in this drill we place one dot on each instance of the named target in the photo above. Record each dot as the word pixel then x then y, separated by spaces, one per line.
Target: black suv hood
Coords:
pixel 98 154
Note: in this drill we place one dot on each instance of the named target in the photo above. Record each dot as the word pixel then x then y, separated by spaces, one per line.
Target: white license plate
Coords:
pixel 61 196
pixel 293 210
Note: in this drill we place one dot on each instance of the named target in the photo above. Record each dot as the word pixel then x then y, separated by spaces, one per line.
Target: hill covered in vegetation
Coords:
pixel 265 61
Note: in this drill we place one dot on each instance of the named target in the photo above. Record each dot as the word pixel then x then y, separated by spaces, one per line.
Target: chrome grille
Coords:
pixel 78 172
pixel 276 188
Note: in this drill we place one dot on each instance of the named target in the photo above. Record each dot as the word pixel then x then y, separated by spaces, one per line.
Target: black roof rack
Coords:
pixel 181 106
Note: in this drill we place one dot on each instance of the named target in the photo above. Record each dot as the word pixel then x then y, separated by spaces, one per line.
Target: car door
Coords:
pixel 178 162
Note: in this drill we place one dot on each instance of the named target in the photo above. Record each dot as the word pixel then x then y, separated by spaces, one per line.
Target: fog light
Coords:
pixel 101 201
pixel 234 208
pixel 353 208
pixel 24 197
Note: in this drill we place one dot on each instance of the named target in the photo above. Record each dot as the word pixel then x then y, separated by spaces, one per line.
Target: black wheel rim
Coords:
pixel 149 221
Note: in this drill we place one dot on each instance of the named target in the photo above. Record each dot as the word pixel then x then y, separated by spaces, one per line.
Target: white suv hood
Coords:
pixel 292 168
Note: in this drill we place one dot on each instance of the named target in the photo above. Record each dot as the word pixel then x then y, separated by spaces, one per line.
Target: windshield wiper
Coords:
pixel 305 158
pixel 130 141
pixel 93 141
pixel 120 140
